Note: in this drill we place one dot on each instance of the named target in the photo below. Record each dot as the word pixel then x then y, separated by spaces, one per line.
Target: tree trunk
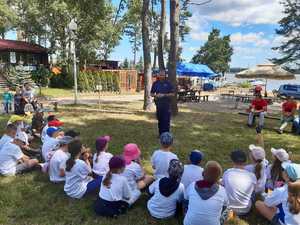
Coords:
pixel 161 36
pixel 134 49
pixel 173 56
pixel 154 57
pixel 147 55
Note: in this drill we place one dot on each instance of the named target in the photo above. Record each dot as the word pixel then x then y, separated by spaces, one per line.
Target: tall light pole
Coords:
pixel 73 28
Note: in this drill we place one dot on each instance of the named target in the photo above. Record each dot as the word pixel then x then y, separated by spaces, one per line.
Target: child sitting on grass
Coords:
pixel 193 171
pixel 51 143
pixel 12 159
pixel 205 198
pixel 78 182
pixel 239 184
pixel 258 166
pixel 282 205
pixel 161 158
pixel 274 171
pixel 115 191
pixel 57 164
pixel 134 172
pixel 44 130
pixel 101 157
pixel 9 135
pixel 167 192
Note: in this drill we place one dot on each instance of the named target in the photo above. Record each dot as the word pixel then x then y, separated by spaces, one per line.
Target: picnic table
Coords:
pixel 191 96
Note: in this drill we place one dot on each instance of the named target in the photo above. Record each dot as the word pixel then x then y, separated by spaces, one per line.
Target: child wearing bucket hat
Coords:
pixel 239 184
pixel 274 171
pixel 279 206
pixel 193 171
pixel 258 166
pixel 57 164
pixel 167 192
pixel 134 172
pixel 115 191
pixel 101 157
pixel 161 157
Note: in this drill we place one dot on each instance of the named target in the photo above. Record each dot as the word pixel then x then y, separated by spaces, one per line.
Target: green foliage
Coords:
pixel 41 76
pixel 63 80
pixel 216 52
pixel 7 17
pixel 290 31
pixel 125 64
pixel 246 84
pixel 89 81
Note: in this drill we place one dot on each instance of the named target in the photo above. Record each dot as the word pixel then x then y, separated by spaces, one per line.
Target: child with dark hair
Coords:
pixel 282 206
pixel 167 192
pixel 19 102
pixel 193 171
pixel 161 157
pixel 205 198
pixel 101 157
pixel 78 182
pixel 115 191
pixel 258 167
pixel 9 135
pixel 239 184
pixel 274 171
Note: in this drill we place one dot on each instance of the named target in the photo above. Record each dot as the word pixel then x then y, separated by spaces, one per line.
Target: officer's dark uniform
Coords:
pixel 163 104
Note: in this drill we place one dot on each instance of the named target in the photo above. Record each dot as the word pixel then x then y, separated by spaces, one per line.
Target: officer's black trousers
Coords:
pixel 163 115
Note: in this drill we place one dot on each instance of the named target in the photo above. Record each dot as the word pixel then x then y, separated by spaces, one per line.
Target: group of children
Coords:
pixel 205 195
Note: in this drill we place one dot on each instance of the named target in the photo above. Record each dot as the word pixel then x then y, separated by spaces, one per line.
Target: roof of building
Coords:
pixel 21 46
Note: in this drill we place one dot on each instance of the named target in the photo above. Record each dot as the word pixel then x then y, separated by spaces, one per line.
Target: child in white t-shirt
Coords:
pixel 101 157
pixel 258 167
pixel 274 171
pixel 115 191
pixel 134 172
pixel 10 133
pixel 167 192
pixel 282 206
pixel 206 199
pixel 78 180
pixel 161 158
pixel 51 143
pixel 239 184
pixel 193 171
pixel 12 159
pixel 57 164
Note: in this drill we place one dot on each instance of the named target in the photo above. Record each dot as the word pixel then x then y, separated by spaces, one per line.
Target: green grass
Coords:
pixel 32 199
pixel 56 92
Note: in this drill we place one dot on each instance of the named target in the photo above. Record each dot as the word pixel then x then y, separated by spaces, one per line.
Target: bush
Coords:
pixel 63 80
pixel 89 80
pixel 246 84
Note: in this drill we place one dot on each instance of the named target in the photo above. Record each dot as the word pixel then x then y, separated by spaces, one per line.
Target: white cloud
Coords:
pixel 256 39
pixel 199 36
pixel 241 12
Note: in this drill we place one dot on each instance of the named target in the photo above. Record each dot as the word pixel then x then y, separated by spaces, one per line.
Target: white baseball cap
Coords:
pixel 257 152
pixel 280 154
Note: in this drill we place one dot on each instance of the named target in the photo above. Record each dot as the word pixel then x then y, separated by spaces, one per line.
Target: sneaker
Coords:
pixel 44 167
pixel 280 131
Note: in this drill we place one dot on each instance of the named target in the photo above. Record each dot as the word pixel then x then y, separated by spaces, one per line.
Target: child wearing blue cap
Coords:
pixel 193 171
pixel 280 207
pixel 51 143
pixel 161 158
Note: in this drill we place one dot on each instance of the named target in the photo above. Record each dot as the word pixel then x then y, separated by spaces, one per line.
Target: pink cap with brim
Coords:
pixel 280 154
pixel 131 152
pixel 258 152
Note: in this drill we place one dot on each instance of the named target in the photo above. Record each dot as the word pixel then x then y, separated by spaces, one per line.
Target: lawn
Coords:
pixel 32 199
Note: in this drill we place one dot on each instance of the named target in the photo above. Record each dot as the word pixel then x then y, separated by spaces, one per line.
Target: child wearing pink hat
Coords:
pixel 101 157
pixel 258 167
pixel 134 172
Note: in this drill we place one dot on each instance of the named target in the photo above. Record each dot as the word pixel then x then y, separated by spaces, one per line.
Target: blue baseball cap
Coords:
pixel 292 170
pixel 52 130
pixel 196 157
pixel 166 139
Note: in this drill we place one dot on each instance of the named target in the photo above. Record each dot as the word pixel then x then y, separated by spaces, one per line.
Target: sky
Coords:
pixel 251 24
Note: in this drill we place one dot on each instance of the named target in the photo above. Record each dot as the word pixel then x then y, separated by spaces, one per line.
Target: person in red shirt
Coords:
pixel 257 90
pixel 257 108
pixel 289 108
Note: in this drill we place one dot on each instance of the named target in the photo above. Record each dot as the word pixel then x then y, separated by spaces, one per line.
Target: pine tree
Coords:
pixel 290 31
pixel 216 52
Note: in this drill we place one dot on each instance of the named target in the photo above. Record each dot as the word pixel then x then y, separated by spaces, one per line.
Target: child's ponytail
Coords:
pixel 294 198
pixel 107 179
pixel 74 149
pixel 258 169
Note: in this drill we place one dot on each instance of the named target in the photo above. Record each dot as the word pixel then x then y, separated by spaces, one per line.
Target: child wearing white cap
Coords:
pixel 258 167
pixel 274 171
pixel 12 159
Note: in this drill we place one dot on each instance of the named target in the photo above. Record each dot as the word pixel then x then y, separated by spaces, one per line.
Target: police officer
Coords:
pixel 162 91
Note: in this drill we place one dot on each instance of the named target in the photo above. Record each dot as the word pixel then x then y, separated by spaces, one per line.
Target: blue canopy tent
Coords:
pixel 194 70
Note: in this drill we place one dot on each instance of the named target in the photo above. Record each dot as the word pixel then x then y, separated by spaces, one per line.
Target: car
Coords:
pixel 289 90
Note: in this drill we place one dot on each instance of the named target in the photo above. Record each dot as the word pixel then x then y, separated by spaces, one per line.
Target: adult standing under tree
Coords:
pixel 162 91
